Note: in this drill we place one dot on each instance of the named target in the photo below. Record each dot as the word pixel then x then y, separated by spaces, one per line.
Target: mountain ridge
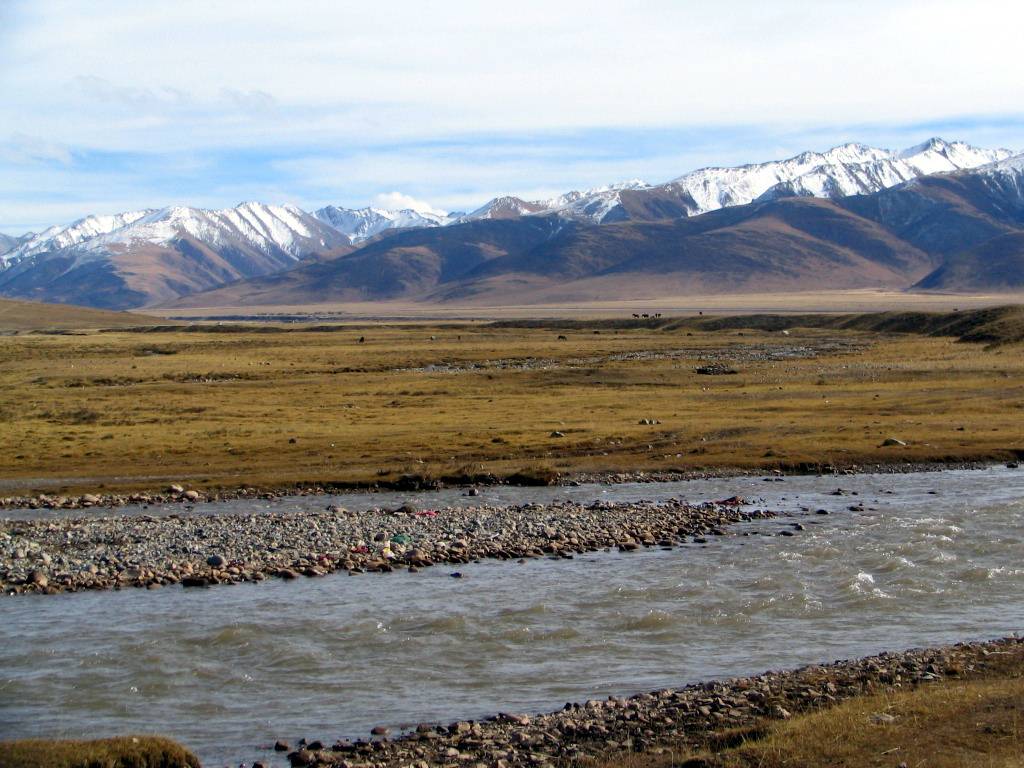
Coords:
pixel 892 239
pixel 149 256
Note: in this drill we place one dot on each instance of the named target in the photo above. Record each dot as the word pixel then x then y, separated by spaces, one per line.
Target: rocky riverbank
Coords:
pixel 179 494
pixel 598 730
pixel 110 552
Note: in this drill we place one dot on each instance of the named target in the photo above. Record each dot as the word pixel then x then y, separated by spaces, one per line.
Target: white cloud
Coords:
pixel 397 201
pixel 198 79
pixel 405 69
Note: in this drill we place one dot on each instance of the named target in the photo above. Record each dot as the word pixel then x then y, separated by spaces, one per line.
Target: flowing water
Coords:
pixel 931 558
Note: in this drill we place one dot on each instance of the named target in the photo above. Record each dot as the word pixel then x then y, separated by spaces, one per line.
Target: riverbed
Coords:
pixel 898 561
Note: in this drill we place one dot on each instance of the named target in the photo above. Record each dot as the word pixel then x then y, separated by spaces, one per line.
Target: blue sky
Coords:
pixel 111 106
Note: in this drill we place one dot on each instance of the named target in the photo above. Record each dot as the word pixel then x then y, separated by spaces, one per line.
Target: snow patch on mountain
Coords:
pixel 506 207
pixel 1009 165
pixel 363 223
pixel 264 227
pixel 593 204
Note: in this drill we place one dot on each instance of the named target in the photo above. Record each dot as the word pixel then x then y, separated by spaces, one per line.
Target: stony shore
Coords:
pixel 649 722
pixel 113 552
pixel 179 494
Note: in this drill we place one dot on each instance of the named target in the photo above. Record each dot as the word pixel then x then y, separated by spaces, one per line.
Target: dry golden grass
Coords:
pixel 30 315
pixel 954 724
pixel 249 406
pixel 123 752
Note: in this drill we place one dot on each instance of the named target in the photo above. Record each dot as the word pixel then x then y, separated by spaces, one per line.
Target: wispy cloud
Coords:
pixel 21 149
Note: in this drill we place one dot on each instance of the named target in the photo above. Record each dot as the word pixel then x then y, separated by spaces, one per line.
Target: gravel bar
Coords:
pixel 114 552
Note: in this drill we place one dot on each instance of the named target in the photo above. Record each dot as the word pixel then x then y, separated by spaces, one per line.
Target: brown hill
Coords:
pixel 36 316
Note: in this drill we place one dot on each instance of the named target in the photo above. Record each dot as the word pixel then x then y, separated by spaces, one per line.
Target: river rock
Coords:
pixel 139 550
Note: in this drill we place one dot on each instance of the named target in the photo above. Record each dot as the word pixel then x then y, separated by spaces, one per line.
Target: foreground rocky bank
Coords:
pixel 143 551
pixel 598 730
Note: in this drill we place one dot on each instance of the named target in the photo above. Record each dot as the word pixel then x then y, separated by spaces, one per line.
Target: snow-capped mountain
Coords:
pixel 143 257
pixel 9 243
pixel 594 204
pixel 57 237
pixel 861 178
pixel 140 257
pixel 848 169
pixel 950 232
pixel 591 205
pixel 506 207
pixel 363 223
pixel 271 229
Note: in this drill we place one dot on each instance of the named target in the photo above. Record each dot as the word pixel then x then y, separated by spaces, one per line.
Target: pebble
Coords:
pixel 108 552
pixel 176 493
pixel 670 719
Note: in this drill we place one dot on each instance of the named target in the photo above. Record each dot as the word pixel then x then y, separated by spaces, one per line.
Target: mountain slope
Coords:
pixel 409 263
pixel 891 239
pixel 789 245
pixel 784 245
pixel 150 256
pixel 995 265
pixel 950 213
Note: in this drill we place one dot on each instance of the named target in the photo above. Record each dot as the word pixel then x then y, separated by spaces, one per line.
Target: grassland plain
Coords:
pixel 273 406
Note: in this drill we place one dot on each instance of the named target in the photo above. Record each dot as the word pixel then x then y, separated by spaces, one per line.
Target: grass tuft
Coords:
pixel 121 752
pixel 952 724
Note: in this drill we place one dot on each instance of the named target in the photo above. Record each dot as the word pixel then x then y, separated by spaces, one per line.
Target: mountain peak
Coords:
pixel 934 144
pixel 505 207
pixel 359 224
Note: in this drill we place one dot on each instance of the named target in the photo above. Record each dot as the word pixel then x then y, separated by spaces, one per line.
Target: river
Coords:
pixel 926 558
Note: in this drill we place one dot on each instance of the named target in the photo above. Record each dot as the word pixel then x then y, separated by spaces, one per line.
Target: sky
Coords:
pixel 113 105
